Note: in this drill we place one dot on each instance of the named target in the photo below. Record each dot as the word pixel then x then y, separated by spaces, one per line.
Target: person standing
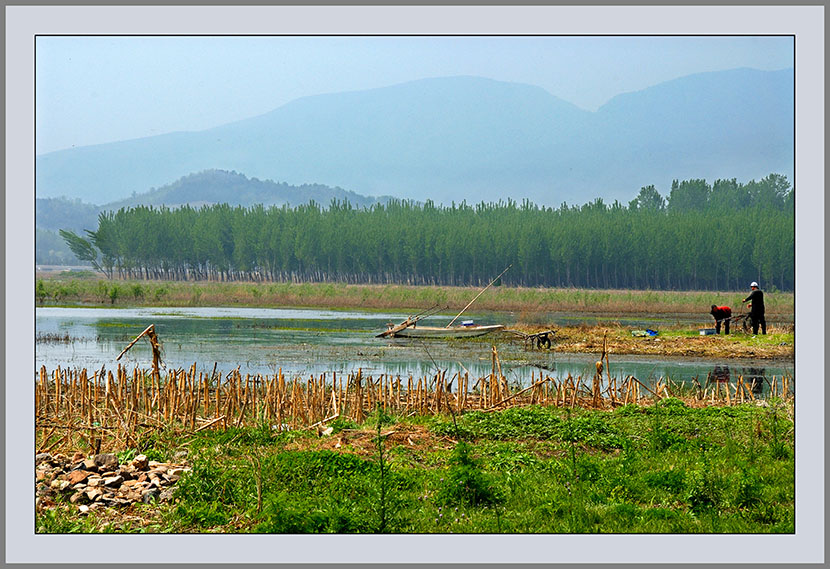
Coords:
pixel 721 314
pixel 756 308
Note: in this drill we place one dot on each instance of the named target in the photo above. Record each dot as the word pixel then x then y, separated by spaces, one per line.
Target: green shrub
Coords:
pixel 137 291
pixel 466 482
pixel 203 514
pixel 748 493
pixel 669 480
pixel 113 293
pixel 516 422
pixel 160 293
pixel 102 290
pixel 703 490
pixel 592 430
pixel 40 291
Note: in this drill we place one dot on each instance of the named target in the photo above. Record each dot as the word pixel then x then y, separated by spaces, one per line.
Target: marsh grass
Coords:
pixel 529 301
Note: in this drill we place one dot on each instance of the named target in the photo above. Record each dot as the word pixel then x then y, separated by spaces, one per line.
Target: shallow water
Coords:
pixel 306 341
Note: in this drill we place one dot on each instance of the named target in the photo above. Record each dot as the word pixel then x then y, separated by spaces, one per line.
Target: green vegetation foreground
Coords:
pixel 666 468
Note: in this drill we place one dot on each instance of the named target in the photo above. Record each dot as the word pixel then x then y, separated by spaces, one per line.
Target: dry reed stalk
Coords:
pixel 439 391
pixel 242 412
pixel 44 385
pixel 575 392
pixel 494 387
pixel 515 395
pixel 210 424
pixel 57 376
pixel 359 396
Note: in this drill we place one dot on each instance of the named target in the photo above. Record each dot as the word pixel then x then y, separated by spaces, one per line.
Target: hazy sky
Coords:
pixel 92 90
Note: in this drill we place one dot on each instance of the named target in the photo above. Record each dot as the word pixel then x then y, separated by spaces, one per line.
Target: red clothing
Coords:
pixel 721 312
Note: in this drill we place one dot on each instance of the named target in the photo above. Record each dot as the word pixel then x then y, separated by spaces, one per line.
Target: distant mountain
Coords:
pixel 456 138
pixel 219 186
pixel 60 213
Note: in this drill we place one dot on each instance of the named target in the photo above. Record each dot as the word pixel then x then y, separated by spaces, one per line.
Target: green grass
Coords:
pixel 526 301
pixel 662 469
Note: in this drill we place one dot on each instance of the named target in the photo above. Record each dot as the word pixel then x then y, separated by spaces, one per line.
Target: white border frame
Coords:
pixel 805 22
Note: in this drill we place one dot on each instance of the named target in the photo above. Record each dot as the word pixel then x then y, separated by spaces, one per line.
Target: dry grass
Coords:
pixel 777 344
pixel 105 410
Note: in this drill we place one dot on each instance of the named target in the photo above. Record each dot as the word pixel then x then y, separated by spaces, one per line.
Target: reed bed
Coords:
pixel 527 301
pixel 111 409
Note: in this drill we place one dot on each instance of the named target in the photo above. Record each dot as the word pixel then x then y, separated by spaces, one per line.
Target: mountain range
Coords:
pixel 197 189
pixel 462 138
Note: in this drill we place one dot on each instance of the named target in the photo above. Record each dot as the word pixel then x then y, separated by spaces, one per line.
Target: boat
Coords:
pixel 468 331
pixel 409 328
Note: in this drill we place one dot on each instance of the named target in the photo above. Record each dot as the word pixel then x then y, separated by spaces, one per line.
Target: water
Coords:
pixel 305 341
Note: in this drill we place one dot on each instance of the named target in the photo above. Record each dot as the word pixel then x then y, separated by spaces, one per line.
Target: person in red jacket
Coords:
pixel 721 314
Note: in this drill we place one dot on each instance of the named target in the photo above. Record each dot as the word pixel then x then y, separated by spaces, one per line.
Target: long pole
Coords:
pixel 479 294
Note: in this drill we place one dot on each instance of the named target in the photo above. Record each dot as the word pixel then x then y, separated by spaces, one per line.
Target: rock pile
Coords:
pixel 101 481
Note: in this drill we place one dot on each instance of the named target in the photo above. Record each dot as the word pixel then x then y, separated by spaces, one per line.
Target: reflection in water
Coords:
pixel 720 373
pixel 758 379
pixel 303 342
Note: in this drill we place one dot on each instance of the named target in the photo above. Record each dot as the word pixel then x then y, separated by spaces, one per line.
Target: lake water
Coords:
pixel 304 341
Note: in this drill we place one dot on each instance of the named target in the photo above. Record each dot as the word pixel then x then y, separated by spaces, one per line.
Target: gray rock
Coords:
pixel 125 473
pixel 150 495
pixel 166 495
pixel 79 498
pixel 43 457
pixel 140 462
pixel 106 461
pixel 113 481
pixel 77 476
pixel 94 494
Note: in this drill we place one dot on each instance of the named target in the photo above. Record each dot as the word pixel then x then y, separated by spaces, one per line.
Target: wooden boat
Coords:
pixel 409 328
pixel 443 332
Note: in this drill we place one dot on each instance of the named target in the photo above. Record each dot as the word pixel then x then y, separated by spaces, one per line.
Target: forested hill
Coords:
pixel 219 186
pixel 455 138
pixel 197 189
pixel 719 236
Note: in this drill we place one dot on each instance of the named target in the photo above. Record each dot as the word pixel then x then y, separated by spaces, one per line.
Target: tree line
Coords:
pixel 700 236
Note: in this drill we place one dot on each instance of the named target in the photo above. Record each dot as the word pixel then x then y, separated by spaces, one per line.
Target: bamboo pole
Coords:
pixel 479 294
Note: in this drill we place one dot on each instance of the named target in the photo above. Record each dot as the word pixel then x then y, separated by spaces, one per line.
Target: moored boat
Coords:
pixel 443 332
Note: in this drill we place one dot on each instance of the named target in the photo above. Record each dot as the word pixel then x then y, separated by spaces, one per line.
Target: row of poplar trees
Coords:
pixel 701 236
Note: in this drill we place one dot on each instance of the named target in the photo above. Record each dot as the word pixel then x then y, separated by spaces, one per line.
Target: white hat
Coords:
pixel 753 284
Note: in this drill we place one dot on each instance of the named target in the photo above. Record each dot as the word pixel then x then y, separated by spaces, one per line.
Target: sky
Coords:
pixel 98 89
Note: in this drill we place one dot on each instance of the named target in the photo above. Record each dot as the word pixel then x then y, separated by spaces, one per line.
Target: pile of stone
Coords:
pixel 101 481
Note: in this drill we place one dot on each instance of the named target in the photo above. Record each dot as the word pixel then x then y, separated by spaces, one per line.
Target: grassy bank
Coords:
pixel 778 343
pixel 64 288
pixel 664 468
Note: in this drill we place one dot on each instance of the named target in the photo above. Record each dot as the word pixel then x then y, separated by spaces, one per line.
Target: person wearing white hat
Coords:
pixel 756 308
